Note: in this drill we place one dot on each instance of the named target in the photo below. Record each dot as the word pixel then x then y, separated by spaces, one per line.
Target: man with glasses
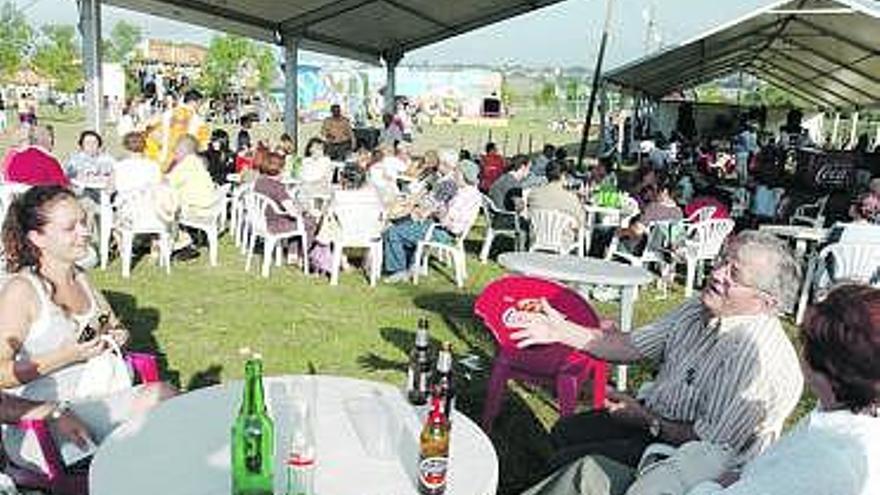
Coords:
pixel 726 371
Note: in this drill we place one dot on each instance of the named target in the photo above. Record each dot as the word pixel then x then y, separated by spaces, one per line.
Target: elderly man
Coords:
pixel 337 133
pixel 452 219
pixel 727 372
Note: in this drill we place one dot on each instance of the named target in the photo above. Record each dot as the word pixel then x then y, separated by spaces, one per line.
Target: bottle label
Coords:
pixel 411 380
pixel 300 460
pixel 253 458
pixel 423 387
pixel 432 472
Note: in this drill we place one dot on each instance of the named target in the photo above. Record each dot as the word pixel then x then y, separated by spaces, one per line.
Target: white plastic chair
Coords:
pixel 555 231
pixel 839 262
pixel 257 205
pixel 238 215
pixel 360 225
pixel 8 192
pixel 136 215
pixel 701 215
pixel 211 224
pixel 494 216
pixel 811 214
pixel 703 242
pixel 657 244
pixel 455 250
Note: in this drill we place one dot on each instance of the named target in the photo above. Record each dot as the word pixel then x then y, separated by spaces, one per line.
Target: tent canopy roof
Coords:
pixel 358 29
pixel 824 51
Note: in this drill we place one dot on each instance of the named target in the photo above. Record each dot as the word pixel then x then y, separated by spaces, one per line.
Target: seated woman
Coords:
pixel 834 449
pixel 356 192
pixel 659 208
pixel 269 184
pixel 90 159
pixel 136 171
pixel 400 240
pixel 44 309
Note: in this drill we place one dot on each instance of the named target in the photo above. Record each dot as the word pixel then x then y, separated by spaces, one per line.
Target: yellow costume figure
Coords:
pixel 175 123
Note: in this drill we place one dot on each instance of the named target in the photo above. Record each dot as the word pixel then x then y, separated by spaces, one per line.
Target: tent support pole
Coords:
pixel 291 88
pixel 90 31
pixel 597 77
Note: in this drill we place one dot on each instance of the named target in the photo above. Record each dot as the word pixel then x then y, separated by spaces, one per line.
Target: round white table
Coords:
pixel 574 269
pixel 802 235
pixel 182 447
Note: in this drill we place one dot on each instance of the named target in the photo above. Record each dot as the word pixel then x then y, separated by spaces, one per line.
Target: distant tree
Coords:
pixel 57 57
pixel 266 64
pixel 507 94
pixel 15 38
pixel 124 38
pixel 546 96
pixel 573 90
pixel 711 93
pixel 234 62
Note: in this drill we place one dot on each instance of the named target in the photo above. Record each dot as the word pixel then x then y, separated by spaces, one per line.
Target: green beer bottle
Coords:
pixel 253 437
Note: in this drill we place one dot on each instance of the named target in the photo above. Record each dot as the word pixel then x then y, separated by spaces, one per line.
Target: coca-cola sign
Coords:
pixel 833 176
pixel 825 171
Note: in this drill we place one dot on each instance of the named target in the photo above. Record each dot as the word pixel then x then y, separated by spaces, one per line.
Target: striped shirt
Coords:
pixel 735 378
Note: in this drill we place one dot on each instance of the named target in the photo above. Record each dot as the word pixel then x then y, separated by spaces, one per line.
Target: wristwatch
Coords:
pixel 59 410
pixel 654 427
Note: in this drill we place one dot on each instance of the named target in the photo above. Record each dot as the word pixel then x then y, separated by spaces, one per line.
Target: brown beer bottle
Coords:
pixel 434 451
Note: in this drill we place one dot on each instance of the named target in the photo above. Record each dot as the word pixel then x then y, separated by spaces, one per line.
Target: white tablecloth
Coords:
pixel 182 447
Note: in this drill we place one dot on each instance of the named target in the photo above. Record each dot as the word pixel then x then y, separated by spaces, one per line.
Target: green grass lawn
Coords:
pixel 197 318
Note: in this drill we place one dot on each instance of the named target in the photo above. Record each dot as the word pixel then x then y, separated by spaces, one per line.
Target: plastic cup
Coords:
pixel 375 423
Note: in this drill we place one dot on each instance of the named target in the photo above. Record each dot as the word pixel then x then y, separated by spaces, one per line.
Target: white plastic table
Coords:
pixel 574 269
pixel 182 447
pixel 802 234
pixel 105 214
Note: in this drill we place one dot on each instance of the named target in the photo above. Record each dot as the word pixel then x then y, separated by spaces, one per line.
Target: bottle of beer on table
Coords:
pixel 253 437
pixel 444 387
pixel 419 372
pixel 434 451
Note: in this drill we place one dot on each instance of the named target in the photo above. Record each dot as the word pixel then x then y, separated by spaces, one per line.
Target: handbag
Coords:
pixel 667 470
pixel 104 374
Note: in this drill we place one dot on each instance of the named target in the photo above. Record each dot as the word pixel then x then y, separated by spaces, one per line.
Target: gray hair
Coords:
pixel 781 277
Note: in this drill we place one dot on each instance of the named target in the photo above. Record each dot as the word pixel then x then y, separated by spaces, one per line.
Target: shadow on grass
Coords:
pixel 518 435
pixel 141 323
pixel 207 377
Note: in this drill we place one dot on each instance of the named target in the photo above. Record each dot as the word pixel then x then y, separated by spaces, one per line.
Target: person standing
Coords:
pixel 338 134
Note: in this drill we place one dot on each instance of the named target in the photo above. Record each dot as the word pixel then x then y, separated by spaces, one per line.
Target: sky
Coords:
pixel 566 34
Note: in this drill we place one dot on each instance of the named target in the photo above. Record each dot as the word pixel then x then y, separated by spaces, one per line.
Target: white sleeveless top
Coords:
pixel 50 331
